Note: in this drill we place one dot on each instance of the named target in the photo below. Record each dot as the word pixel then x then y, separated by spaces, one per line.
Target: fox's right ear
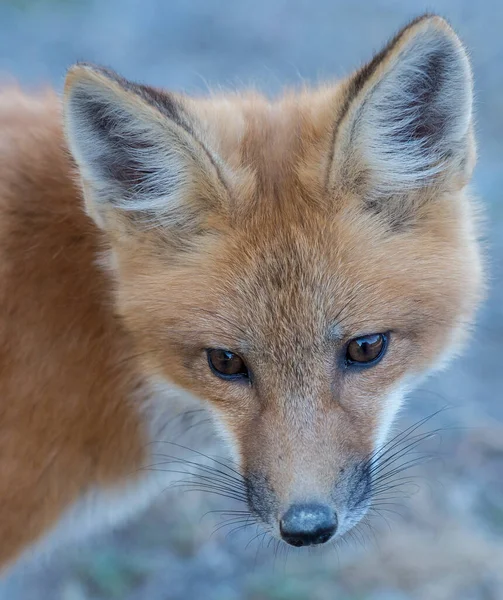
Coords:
pixel 138 151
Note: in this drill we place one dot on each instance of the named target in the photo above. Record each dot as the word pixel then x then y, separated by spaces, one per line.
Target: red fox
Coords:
pixel 294 265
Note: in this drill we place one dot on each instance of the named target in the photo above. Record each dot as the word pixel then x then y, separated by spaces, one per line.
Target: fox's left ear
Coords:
pixel 406 120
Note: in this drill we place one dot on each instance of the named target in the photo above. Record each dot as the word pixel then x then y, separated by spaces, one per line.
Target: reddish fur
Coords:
pixel 65 373
pixel 69 378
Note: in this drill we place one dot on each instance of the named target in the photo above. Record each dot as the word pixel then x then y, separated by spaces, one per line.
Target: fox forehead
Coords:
pixel 273 141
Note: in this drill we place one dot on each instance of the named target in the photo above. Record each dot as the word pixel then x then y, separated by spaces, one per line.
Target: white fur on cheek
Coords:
pixel 392 405
pixel 394 400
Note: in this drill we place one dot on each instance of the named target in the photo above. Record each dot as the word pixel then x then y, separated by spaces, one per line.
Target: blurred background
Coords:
pixel 443 542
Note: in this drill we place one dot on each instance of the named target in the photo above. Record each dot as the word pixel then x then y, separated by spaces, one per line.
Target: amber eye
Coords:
pixel 366 350
pixel 227 365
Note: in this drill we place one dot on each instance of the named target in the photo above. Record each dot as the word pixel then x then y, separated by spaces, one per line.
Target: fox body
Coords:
pixel 293 266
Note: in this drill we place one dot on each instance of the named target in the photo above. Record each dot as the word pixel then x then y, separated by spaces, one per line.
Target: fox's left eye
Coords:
pixel 227 365
pixel 366 350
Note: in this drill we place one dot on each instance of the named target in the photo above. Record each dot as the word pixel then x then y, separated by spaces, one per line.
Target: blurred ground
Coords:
pixel 448 545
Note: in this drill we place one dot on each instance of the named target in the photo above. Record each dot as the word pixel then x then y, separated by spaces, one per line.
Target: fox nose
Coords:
pixel 308 524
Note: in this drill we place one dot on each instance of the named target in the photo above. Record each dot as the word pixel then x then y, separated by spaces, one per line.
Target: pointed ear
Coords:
pixel 405 123
pixel 138 151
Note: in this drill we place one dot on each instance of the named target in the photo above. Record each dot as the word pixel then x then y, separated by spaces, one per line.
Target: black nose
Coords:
pixel 308 524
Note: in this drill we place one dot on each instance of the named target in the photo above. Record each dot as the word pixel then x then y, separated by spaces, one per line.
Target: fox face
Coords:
pixel 298 264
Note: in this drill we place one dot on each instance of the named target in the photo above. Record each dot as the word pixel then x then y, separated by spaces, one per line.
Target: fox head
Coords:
pixel 298 264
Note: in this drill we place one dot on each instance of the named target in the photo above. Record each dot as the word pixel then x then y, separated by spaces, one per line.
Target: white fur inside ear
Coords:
pixel 130 156
pixel 413 122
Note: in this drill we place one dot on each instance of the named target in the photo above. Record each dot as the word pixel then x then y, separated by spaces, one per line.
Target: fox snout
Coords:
pixel 311 516
pixel 305 485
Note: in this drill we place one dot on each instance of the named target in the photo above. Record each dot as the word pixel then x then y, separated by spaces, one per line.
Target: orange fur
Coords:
pixel 65 375
pixel 279 248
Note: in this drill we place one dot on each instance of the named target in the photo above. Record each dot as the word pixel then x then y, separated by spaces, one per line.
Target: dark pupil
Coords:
pixel 227 363
pixel 366 348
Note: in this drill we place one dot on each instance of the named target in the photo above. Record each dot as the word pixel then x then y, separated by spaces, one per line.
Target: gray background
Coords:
pixel 447 543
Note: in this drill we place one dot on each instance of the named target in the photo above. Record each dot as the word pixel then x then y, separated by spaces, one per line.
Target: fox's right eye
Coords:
pixel 227 365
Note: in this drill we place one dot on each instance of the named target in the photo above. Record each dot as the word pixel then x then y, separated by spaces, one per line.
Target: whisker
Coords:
pixel 193 425
pixel 276 548
pixel 403 467
pixel 261 533
pixel 200 466
pixel 379 514
pixel 208 484
pixel 410 449
pixel 238 524
pixel 195 477
pixel 388 510
pixel 232 531
pixel 412 444
pixel 222 464
pixel 225 512
pixel 229 522
pixel 216 493
pixel 216 473
pixel 401 436
pixel 386 487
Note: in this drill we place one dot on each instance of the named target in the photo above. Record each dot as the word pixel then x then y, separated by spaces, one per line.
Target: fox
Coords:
pixel 293 266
